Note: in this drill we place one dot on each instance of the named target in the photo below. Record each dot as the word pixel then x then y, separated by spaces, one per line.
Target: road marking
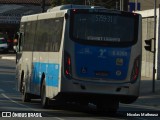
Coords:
pixel 8 58
pixel 15 101
pixel 27 106
pixel 59 118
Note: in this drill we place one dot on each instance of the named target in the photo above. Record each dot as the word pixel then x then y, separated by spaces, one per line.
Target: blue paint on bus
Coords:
pixel 51 73
pixel 102 62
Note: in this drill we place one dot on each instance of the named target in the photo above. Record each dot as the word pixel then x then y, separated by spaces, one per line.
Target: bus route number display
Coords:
pixel 104 18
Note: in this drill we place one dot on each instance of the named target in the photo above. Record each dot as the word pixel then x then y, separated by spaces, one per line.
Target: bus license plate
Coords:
pixel 101 73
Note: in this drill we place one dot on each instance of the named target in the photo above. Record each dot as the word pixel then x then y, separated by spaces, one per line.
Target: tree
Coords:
pixel 105 3
pixel 62 2
pixel 56 2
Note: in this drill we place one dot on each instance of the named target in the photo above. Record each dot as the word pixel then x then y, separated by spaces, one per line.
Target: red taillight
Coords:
pixel 135 70
pixel 67 72
pixel 69 61
pixel 9 41
pixel 67 65
pixel 74 10
pixel 134 14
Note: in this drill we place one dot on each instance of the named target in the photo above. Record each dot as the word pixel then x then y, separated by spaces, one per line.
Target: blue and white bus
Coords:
pixel 80 53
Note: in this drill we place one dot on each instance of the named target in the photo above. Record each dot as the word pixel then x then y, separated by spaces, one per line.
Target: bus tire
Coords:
pixel 44 99
pixel 25 96
pixel 21 82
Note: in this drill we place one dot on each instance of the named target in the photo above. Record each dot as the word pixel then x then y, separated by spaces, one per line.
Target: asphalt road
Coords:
pixel 10 101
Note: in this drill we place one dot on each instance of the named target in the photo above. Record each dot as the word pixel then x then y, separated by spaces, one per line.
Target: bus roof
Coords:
pixel 71 6
pixel 29 18
pixel 42 16
pixel 56 12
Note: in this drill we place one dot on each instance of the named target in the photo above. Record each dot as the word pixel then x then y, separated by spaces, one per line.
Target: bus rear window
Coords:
pixel 105 27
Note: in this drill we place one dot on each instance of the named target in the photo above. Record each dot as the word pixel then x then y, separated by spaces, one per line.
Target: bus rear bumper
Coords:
pixel 123 91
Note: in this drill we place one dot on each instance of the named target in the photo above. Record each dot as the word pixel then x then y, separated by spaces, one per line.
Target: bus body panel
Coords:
pixel 25 65
pixel 34 64
pixel 81 56
pixel 96 62
pixel 99 86
pixel 49 65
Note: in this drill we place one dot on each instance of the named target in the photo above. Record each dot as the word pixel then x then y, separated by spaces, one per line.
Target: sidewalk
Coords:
pixel 147 97
pixel 147 85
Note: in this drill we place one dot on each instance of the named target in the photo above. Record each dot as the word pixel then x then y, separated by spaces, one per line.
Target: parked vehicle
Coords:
pixel 3 45
pixel 10 44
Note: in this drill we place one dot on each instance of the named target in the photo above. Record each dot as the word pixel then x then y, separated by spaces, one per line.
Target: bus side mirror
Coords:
pixel 17 42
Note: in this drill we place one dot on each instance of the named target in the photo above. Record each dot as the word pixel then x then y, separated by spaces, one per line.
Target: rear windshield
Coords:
pixel 103 27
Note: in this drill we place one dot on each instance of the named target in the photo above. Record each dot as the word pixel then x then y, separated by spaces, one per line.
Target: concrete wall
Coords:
pixel 147 57
pixel 147 33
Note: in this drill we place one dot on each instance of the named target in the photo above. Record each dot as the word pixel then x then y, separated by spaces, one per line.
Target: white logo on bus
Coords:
pixel 102 51
pixel 85 51
pixel 119 53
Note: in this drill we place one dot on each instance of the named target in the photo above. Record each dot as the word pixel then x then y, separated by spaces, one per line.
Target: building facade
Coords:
pixel 11 12
pixel 140 5
pixel 146 9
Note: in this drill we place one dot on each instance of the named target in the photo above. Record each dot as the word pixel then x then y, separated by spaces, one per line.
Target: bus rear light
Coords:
pixel 74 10
pixel 135 70
pixel 69 61
pixel 67 72
pixel 67 65
pixel 134 14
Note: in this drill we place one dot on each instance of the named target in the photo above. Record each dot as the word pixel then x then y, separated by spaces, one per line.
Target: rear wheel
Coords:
pixel 44 99
pixel 25 96
pixel 21 82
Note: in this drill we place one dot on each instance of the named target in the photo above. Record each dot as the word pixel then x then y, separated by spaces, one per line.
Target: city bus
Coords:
pixel 80 53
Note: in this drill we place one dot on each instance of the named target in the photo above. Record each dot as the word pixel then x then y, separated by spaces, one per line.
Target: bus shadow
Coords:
pixel 73 109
